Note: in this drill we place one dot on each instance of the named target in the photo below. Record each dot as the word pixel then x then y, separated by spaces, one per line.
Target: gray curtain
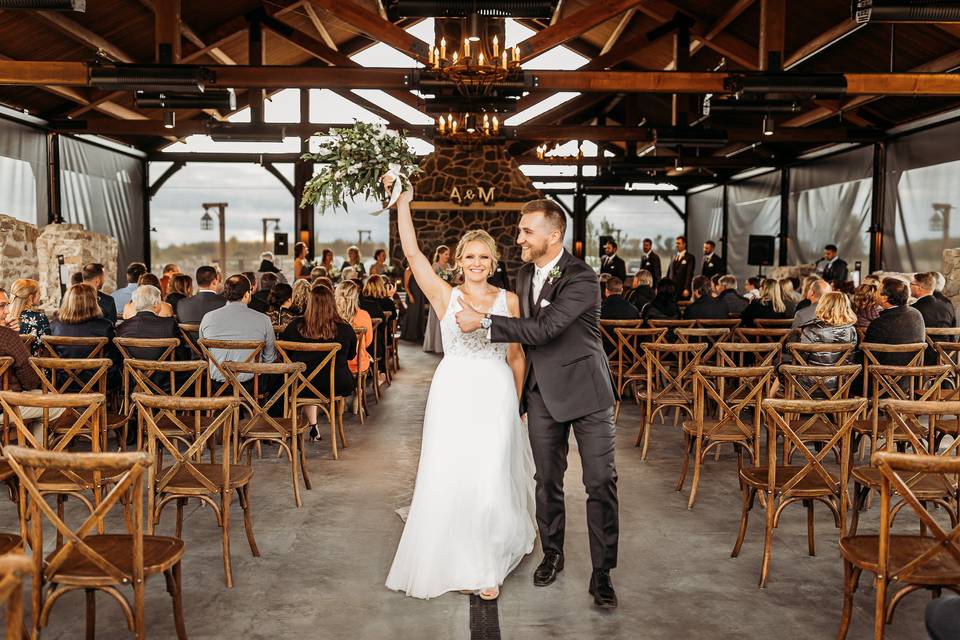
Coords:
pixel 830 203
pixel 23 173
pixel 705 219
pixel 103 190
pixel 753 209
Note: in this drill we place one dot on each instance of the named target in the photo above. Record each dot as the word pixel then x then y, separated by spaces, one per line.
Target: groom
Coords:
pixel 567 383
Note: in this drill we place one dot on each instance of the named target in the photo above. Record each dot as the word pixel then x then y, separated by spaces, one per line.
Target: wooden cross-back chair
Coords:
pixel 736 392
pixel 5 363
pixel 388 324
pixel 97 346
pixel 710 337
pixel 258 425
pixel 14 566
pixel 904 429
pixel 876 353
pixel 718 323
pixel 763 336
pixel 127 346
pixel 360 377
pixel 800 351
pixel 172 378
pixel 608 335
pixel 670 325
pixel 190 333
pixel 667 387
pixel 935 338
pixel 74 375
pixel 315 391
pixel 630 363
pixel 186 477
pixel 393 340
pixel 28 340
pixel 89 559
pixel 929 559
pixel 816 382
pixel 774 323
pixel 783 484
pixel 747 354
pixel 221 388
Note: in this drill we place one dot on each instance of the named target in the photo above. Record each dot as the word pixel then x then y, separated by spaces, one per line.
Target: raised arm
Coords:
pixel 434 288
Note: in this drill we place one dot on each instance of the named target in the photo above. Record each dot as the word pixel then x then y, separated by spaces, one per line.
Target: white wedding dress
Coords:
pixel 472 516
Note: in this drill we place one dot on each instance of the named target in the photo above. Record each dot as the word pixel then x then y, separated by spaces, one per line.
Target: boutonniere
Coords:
pixel 554 274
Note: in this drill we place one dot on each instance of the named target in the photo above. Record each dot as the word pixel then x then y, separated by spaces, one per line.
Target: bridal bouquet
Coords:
pixel 354 159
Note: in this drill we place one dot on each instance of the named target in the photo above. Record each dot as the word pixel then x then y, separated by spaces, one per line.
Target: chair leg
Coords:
pixel 688 445
pixel 303 465
pixel 697 465
pixel 811 538
pixel 771 508
pixel 91 596
pixel 880 607
pixel 225 497
pixel 244 493
pixel 294 461
pixel 336 412
pixel 343 436
pixel 647 427
pixel 616 412
pixel 640 434
pixel 180 504
pixel 174 588
pixel 851 575
pixel 748 493
pixel 858 496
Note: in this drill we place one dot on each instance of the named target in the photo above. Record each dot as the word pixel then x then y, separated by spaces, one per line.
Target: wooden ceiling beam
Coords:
pixel 773 31
pixel 823 41
pixel 721 24
pixel 572 26
pixel 191 36
pixel 318 25
pixel 81 34
pixel 618 31
pixel 167 28
pixel 376 27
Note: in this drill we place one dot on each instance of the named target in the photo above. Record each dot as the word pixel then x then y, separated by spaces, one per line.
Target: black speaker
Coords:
pixel 603 244
pixel 280 245
pixel 760 250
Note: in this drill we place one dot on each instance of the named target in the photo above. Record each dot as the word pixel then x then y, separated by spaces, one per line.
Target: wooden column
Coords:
pixel 167 31
pixel 147 248
pixel 773 21
pixel 256 51
pixel 878 205
pixel 681 61
pixel 580 223
pixel 724 241
pixel 54 202
pixel 303 219
pixel 784 215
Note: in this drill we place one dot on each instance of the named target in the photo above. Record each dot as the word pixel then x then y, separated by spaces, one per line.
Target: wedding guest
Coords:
pixel 938 288
pixel 93 274
pixel 898 322
pixel 368 303
pixel 7 319
pixel 21 376
pixel 321 323
pixel 650 261
pixel 24 301
pixel 790 296
pixel 316 272
pixel 354 260
pixel 147 322
pixel 664 303
pixel 378 293
pixel 935 312
pixel 642 291
pixel 805 291
pixel 347 296
pixel 499 277
pixel 169 270
pixel 191 310
pixel 614 305
pixel 736 303
pixel 323 282
pixel 768 307
pixel 267 266
pixel 348 274
pixel 751 290
pixel 833 269
pixel 180 287
pixel 122 296
pixel 77 278
pixel 441 261
pixel 415 319
pixel 281 305
pixel 300 295
pixel 834 323
pixel 704 305
pixel 129 310
pixel 326 261
pixel 682 268
pixel 379 266
pixel 808 314
pixel 432 340
pixel 865 304
pixel 300 269
pixel 80 317
pixel 260 299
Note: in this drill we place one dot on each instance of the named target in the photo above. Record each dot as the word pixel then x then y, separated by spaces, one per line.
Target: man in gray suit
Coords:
pixel 567 384
pixel 191 310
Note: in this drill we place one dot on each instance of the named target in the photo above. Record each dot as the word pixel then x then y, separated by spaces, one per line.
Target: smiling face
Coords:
pixel 537 237
pixel 477 261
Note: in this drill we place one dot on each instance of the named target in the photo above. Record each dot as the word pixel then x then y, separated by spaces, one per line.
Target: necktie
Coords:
pixel 539 275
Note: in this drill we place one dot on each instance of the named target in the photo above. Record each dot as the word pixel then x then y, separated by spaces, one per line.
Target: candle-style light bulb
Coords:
pixel 496 47
pixel 441 125
pixel 503 59
pixel 443 48
pixel 496 124
pixel 516 54
pixel 455 57
pixel 480 58
pixel 450 121
pixel 466 47
pixel 436 57
pixel 455 125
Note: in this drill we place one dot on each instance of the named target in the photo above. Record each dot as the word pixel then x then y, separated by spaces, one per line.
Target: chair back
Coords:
pixel 251 347
pixel 608 333
pixel 28 340
pixel 190 334
pixel 131 348
pixel 717 323
pixel 944 343
pixel 812 382
pixel 774 323
pixel 670 385
pixel 172 378
pixel 72 375
pixel 5 363
pixel 97 346
pixel 890 382
pixel 748 354
pixel 910 355
pixel 935 550
pixel 322 391
pixel 14 567
pixel 709 337
pixel 761 335
pixel 284 376
pixel 630 364
pixel 734 391
pixel 800 351
pixel 86 417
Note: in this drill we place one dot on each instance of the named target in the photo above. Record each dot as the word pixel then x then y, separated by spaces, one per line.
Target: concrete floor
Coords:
pixel 323 566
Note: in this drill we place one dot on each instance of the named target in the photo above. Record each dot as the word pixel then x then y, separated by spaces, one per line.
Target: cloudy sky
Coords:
pixel 253 194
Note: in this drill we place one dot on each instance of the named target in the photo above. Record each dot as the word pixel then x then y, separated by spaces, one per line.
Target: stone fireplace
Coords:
pixel 463 188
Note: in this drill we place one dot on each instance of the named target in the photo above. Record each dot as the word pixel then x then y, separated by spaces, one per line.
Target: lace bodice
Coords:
pixel 474 344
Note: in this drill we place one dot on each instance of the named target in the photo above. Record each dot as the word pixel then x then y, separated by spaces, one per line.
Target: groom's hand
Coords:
pixel 468 319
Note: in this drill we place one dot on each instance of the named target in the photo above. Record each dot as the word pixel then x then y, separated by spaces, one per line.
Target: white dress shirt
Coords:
pixel 540 275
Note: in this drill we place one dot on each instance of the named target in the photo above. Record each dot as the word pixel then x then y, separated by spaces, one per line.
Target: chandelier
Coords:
pixel 477 62
pixel 468 127
pixel 544 149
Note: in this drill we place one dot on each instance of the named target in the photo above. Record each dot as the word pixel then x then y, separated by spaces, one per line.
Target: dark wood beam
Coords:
pixel 573 25
pixel 721 24
pixel 191 36
pixel 166 30
pixel 773 29
pixel 318 25
pixel 823 41
pixel 374 26
pixel 81 34
pixel 618 31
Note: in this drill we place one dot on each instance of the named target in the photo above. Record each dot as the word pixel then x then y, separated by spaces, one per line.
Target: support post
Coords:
pixel 784 215
pixel 773 16
pixel 724 242
pixel 682 103
pixel 878 205
pixel 256 53
pixel 304 219
pixel 167 31
pixel 580 224
pixel 54 202
pixel 147 237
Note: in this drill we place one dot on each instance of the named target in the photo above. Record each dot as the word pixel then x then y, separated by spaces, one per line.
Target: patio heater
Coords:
pixel 206 223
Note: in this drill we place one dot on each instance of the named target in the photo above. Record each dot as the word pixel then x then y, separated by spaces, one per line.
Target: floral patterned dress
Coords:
pixel 37 324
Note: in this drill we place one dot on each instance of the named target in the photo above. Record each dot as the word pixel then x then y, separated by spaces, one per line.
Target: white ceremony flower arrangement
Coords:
pixel 353 160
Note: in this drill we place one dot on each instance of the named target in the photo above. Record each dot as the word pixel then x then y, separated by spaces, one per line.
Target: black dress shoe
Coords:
pixel 601 588
pixel 547 572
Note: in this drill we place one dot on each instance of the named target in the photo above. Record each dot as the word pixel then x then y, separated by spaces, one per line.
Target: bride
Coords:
pixel 471 520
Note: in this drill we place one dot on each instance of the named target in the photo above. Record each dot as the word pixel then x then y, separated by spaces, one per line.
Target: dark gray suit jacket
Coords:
pixel 562 340
pixel 191 310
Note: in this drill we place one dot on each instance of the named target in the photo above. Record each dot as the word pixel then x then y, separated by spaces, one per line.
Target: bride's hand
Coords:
pixel 406 197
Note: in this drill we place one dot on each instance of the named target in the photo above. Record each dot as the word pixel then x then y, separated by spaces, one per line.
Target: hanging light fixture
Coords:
pixel 169 119
pixel 469 127
pixel 677 164
pixel 477 62
pixel 767 124
pixel 206 221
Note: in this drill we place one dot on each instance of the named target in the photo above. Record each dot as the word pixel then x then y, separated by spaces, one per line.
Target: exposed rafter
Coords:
pixel 81 34
pixel 823 41
pixel 573 26
pixel 374 26
pixel 318 25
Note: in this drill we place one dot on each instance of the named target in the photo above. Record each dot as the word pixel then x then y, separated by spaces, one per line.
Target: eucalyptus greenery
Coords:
pixel 353 160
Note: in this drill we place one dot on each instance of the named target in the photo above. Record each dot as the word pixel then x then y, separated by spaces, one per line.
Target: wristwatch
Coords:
pixel 486 321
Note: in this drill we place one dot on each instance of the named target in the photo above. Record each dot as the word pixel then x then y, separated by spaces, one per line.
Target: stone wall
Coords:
pixel 468 169
pixel 951 271
pixel 78 247
pixel 18 252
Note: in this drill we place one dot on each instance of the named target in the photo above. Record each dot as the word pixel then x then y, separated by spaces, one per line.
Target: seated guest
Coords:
pixel 348 273
pixel 77 277
pixel 865 304
pixel 805 291
pixel 169 270
pixel 834 323
pixel 267 266
pixel 281 303
pixel 7 319
pixel 736 303
pixel 808 314
pixel 704 305
pixel 898 322
pixel 25 294
pixel 180 287
pixel 122 296
pixel 260 299
pixel 936 313
pixel 380 290
pixel 751 291
pixel 368 302
pixel 317 272
pixel 642 291
pixel 321 323
pixel 147 322
pixel 92 274
pixel 614 305
pixel 938 288
pixel 664 303
pixel 347 295
pixel 150 280
pixel 191 310
pixel 790 296
pixel 602 278
pixel 80 317
pixel 768 307
pixel 236 321
pixel 301 294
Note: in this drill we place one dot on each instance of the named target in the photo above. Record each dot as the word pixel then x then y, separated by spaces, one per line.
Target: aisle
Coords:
pixel 322 567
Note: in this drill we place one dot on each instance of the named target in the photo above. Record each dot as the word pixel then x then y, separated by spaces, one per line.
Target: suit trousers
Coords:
pixel 596 440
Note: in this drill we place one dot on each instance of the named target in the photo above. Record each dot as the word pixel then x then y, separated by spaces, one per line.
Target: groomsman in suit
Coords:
pixel 712 263
pixel 832 268
pixel 612 263
pixel 682 268
pixel 651 261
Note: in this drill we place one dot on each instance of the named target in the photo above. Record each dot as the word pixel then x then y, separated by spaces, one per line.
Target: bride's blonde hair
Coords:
pixel 481 236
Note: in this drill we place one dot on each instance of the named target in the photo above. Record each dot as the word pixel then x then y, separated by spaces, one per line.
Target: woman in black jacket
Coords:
pixel 80 317
pixel 664 303
pixel 770 306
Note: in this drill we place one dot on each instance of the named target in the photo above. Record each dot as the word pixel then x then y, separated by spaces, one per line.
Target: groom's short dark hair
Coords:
pixel 552 211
